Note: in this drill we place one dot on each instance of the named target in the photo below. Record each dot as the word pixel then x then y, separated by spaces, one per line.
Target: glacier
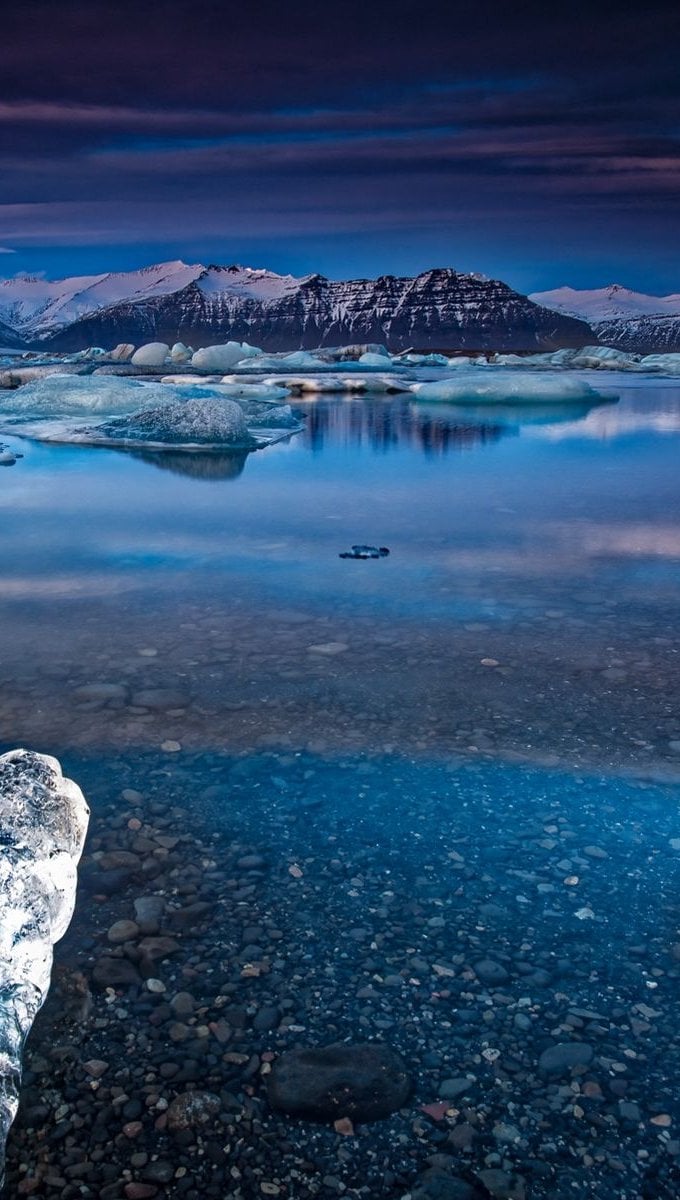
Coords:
pixel 43 822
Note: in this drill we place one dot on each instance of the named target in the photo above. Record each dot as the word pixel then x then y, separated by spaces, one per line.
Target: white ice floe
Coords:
pixel 181 353
pixel 502 386
pixel 43 822
pixel 371 358
pixel 152 354
pixel 223 357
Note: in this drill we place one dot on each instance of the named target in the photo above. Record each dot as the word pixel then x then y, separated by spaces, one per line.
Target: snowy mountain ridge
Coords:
pixel 607 303
pixel 440 308
pixel 621 317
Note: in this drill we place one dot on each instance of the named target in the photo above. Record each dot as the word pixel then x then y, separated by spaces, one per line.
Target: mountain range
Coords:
pixel 620 317
pixel 440 309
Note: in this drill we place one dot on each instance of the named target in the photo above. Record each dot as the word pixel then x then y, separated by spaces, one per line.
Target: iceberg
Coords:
pixel 187 423
pixel 153 354
pixel 223 357
pixel 64 395
pixel 506 387
pixel 43 822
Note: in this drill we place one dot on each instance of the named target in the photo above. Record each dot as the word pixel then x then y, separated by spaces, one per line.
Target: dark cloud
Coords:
pixel 147 125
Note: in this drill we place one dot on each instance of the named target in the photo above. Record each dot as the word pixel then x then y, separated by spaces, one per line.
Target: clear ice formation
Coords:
pixel 43 822
pixel 201 423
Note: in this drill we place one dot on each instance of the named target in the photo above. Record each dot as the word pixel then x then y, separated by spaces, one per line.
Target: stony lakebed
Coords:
pixel 379 895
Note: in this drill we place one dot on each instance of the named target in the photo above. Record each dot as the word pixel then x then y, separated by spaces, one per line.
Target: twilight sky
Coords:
pixel 537 143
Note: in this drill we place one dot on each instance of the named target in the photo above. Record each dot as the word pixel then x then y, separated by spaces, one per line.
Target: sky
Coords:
pixel 535 143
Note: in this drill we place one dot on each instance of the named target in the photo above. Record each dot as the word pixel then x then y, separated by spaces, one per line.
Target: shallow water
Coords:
pixel 469 749
pixel 544 541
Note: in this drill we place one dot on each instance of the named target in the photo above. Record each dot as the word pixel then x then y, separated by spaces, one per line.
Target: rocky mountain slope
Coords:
pixel 438 309
pixel 622 318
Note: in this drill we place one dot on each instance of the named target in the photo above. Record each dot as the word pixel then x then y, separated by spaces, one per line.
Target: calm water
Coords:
pixel 544 541
pixel 472 747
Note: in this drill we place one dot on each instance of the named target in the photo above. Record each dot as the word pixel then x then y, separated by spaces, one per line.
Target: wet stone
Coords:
pixel 560 1058
pixel 365 1081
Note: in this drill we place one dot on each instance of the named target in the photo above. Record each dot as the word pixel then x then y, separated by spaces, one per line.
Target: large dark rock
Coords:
pixel 367 1081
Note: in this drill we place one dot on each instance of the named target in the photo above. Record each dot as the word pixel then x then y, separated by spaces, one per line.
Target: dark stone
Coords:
pixel 367 1081
pixel 190 1110
pixel 490 972
pixel 115 973
pixel 561 1057
pixel 435 1185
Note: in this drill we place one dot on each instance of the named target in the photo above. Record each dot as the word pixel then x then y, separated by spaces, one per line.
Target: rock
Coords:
pixel 191 1110
pixel 122 931
pixel 502 1185
pixel 152 354
pixel 115 973
pixel 160 698
pixel 156 949
pixel 365 1081
pixel 451 1089
pixel 490 972
pixel 148 913
pixel 436 1185
pixel 561 1057
pixel 101 691
pixel 43 822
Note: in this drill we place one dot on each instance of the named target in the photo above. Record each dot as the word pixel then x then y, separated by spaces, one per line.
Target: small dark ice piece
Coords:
pixel 365 552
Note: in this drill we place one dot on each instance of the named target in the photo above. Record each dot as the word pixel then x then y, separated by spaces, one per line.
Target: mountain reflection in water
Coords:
pixel 386 423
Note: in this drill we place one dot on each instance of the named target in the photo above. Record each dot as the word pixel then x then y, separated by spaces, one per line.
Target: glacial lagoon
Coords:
pixel 429 799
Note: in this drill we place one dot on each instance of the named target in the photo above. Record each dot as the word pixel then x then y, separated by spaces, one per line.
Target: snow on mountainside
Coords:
pixel 622 318
pixel 438 309
pixel 34 306
pixel 608 303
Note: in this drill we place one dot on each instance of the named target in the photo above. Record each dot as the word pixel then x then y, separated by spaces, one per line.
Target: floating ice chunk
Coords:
pixel 153 354
pixel 92 352
pixel 603 357
pixel 375 383
pixel 241 389
pixel 300 384
pixel 301 359
pixel 180 353
pixel 62 395
pixel 506 387
pixel 425 360
pixel 462 361
pixel 223 357
pixel 43 821
pixel 122 352
pixel 188 423
pixel 18 376
pixel 371 359
pixel 669 364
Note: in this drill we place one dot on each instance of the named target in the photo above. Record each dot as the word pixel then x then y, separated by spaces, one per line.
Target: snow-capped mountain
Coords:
pixel 620 317
pixel 438 309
